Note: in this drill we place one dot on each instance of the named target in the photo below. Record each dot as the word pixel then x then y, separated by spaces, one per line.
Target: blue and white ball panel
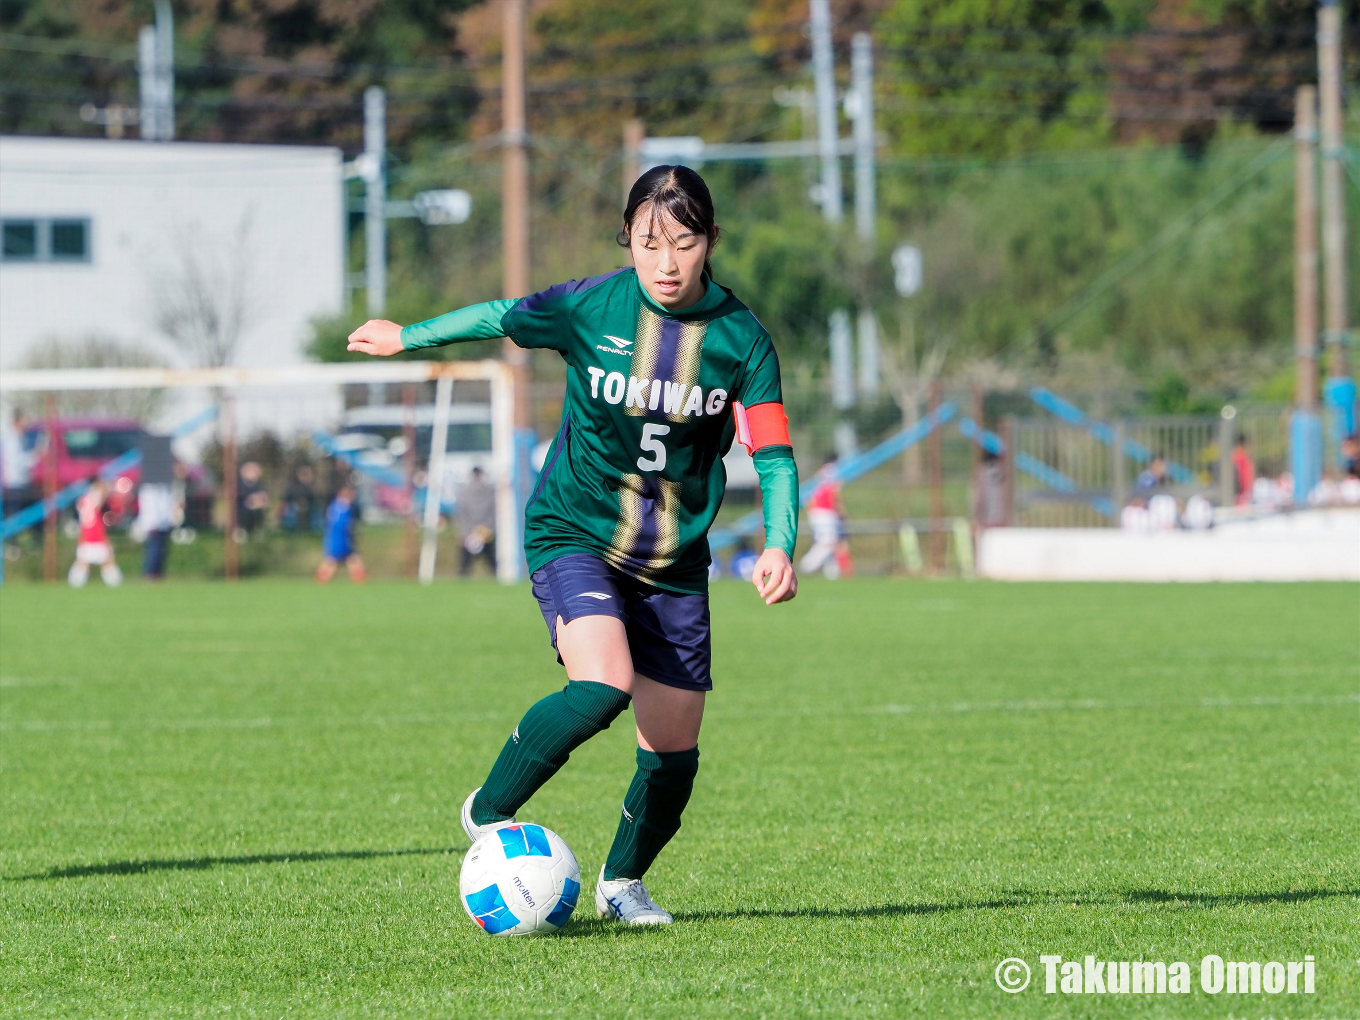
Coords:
pixel 565 905
pixel 520 880
pixel 488 909
pixel 524 841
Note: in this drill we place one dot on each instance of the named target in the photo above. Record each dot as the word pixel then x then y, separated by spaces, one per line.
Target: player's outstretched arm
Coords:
pixel 774 577
pixel 475 322
pixel 378 337
pixel 764 429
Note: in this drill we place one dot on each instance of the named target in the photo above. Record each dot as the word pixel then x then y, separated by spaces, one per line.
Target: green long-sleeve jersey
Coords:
pixel 634 474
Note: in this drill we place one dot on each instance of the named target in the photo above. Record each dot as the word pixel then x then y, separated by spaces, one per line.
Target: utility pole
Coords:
pixel 824 88
pixel 862 114
pixel 634 133
pixel 1305 437
pixel 860 106
pixel 515 193
pixel 842 382
pixel 1333 181
pixel 156 76
pixel 829 197
pixel 515 240
pixel 165 71
pixel 148 119
pixel 1340 388
pixel 375 198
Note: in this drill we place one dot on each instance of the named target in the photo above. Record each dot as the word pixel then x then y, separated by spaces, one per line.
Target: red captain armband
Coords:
pixel 761 426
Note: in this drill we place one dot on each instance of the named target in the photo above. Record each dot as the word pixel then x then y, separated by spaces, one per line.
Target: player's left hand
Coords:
pixel 774 578
pixel 377 336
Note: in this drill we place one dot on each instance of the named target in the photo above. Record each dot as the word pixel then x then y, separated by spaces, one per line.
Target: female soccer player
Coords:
pixel 664 369
pixel 94 546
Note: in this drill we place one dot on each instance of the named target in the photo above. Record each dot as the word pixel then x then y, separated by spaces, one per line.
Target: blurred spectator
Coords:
pixel 155 519
pixel 1272 493
pixel 1327 492
pixel 830 553
pixel 1135 518
pixel 251 498
pixel 1153 477
pixel 744 561
pixel 477 522
pixel 1350 456
pixel 989 492
pixel 93 546
pixel 298 511
pixel 337 545
pixel 1163 512
pixel 1244 471
pixel 16 466
pixel 1199 513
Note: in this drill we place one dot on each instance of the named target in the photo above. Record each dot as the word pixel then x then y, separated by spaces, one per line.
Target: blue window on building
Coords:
pixel 45 240
pixel 21 240
pixel 70 241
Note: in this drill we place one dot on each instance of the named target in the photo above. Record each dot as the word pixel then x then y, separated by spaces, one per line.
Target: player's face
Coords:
pixel 669 258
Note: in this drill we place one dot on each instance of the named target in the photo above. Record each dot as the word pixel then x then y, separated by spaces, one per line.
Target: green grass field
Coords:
pixel 242 800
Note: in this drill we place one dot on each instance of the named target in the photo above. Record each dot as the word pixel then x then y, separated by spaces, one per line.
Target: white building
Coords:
pixel 106 237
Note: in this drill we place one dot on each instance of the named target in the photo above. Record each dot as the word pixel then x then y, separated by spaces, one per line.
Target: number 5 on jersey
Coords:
pixel 651 443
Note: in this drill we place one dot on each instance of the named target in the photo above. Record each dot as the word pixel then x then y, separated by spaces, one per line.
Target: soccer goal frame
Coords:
pixel 227 380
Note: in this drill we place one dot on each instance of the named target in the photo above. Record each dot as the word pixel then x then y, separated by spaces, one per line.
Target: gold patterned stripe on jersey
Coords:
pixel 622 551
pixel 647 355
pixel 687 359
pixel 646 351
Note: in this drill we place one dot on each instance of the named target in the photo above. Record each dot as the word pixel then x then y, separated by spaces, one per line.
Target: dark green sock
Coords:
pixel 651 810
pixel 541 744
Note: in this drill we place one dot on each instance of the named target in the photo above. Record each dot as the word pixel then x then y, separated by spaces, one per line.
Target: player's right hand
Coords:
pixel 377 336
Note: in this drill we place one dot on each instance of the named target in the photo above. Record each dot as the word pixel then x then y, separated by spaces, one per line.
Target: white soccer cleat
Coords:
pixel 474 831
pixel 627 900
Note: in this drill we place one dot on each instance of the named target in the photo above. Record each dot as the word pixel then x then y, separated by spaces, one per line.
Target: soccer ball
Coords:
pixel 520 880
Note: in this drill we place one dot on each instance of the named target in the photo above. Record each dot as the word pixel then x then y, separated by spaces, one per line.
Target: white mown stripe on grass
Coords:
pixel 1096 704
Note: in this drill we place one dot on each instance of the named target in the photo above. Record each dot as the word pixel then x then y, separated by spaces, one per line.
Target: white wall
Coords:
pixel 278 206
pixel 1311 545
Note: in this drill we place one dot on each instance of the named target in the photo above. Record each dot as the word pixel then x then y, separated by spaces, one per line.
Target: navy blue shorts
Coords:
pixel 668 633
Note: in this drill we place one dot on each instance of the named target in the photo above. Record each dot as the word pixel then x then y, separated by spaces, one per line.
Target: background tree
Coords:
pixel 94 351
pixel 206 297
pixel 255 71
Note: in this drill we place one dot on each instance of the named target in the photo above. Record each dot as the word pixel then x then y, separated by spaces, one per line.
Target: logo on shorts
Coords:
pixel 594 595
pixel 626 814
pixel 620 341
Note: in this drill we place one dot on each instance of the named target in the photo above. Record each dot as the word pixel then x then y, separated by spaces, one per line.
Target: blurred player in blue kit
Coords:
pixel 337 545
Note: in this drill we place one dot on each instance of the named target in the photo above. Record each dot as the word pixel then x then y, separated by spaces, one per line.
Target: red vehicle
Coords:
pixel 83 446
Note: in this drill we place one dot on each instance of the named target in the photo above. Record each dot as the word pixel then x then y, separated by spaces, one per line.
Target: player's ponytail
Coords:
pixel 678 191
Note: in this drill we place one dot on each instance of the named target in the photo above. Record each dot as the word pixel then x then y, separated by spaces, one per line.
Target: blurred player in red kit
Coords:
pixel 93 547
pixel 830 552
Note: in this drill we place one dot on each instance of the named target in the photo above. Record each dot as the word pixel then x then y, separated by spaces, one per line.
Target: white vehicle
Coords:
pixel 376 437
